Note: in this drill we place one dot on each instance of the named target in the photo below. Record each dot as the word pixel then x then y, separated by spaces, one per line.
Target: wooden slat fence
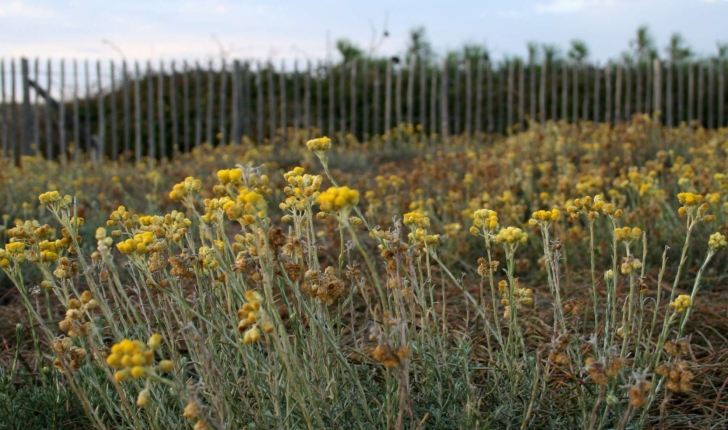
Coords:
pixel 134 110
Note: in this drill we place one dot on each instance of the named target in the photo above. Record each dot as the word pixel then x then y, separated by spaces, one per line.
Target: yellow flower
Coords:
pixel 681 303
pixel 319 145
pixel 689 199
pixel 511 235
pixel 717 241
pixel 338 199
pixel 416 219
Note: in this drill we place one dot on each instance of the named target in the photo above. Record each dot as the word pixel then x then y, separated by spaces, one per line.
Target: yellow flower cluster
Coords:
pixel 338 199
pixel 511 235
pixel 681 303
pixel 302 190
pixel 420 235
pixel 717 241
pixel 65 347
pixel 630 265
pixel 138 244
pixel 253 318
pixel 689 199
pixel 319 145
pixel 544 217
pixel 49 250
pixel 49 197
pixel 75 324
pixel 626 234
pixel 187 188
pixel 246 206
pixel 416 219
pixel 230 176
pixel 13 251
pixel 485 219
pixel 120 216
pixel 134 359
pixel 521 296
pixel 207 258
pixel 591 207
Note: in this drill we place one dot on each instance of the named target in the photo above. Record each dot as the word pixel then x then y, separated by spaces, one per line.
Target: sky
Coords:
pixel 286 29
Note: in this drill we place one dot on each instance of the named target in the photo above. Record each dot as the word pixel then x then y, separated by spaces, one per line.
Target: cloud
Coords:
pixel 569 6
pixel 20 9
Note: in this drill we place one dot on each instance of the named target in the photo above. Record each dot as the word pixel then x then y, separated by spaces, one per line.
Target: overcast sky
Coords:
pixel 286 29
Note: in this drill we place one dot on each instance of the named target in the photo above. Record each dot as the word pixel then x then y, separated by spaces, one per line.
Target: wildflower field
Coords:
pixel 566 276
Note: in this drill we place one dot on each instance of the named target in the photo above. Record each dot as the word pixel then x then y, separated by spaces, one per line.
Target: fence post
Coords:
pixel 649 109
pixel 443 104
pixel 223 93
pixel 433 104
pixel 27 128
pixel 375 107
pixel 186 106
pixel 490 93
pixel 76 116
pixel 658 81
pixel 101 135
pixel 575 100
pixel 608 92
pixel 331 100
pixel 597 78
pixel 35 141
pixel 455 121
pixel 388 102
pixel 48 128
pixel 365 98
pixel 62 117
pixel 509 94
pixel 127 110
pixel 259 103
pixel 680 92
pixel 628 93
pixel 284 108
pixel 585 103
pixel 15 143
pixel 701 94
pixel 522 95
pixel 618 95
pixel 173 108
pixel 296 100
pixel 638 90
pixel 235 122
pixel 479 101
pixel 411 68
pixel 542 93
pixel 342 103
pixel 668 93
pixel 151 141
pixel 307 101
pixel 160 112
pixel 554 92
pixel 711 94
pixel 691 94
pixel 721 92
pixel 319 99
pixel 114 127
pixel 5 135
pixel 564 91
pixel 468 98
pixel 87 113
pixel 423 100
pixel 531 89
pixel 352 96
pixel 138 114
pixel 210 104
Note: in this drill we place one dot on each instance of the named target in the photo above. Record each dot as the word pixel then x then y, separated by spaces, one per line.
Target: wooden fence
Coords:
pixel 131 110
